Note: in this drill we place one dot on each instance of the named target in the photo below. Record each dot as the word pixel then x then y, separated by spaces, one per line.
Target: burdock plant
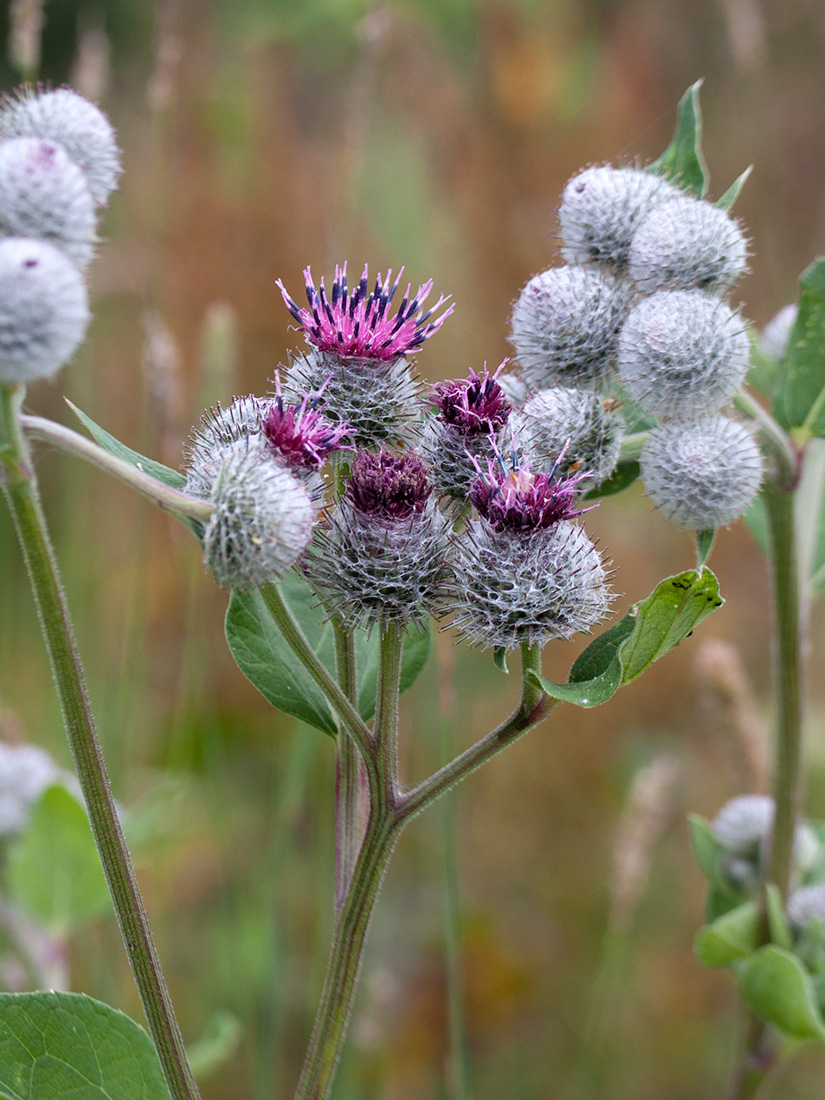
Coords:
pixel 347 503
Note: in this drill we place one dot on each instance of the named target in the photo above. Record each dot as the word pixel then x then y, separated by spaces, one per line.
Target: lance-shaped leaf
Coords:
pixel 266 660
pixel 682 161
pixel 649 630
pixel 734 935
pixel 799 398
pixel 55 1046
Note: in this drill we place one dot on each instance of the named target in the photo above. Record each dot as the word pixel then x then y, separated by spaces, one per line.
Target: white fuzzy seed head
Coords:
pixel 44 309
pixel 601 209
pixel 682 353
pixel 776 336
pixel 261 522
pixel 44 194
pixel 514 388
pixel 743 823
pixel 25 772
pixel 78 125
pixel 552 420
pixel 685 243
pixel 454 458
pixel 806 905
pixel 512 589
pixel 702 475
pixel 565 325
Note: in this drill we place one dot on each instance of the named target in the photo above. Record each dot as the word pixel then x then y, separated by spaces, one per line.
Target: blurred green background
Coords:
pixel 263 135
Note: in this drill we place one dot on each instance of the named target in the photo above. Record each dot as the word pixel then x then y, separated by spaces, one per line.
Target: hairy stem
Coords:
pixel 347 774
pixel 299 645
pixel 20 487
pixel 345 957
pixel 787 656
pixel 386 711
pixel 171 500
pixel 775 439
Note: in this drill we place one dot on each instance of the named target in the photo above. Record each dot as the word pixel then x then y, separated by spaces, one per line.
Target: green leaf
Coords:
pixel 735 935
pixel 56 1046
pixel 266 660
pixel 682 161
pixel 173 478
pixel 777 924
pixel 54 871
pixel 756 519
pixel 799 399
pixel 500 659
pixel 778 988
pixel 763 368
pixel 704 545
pixel 704 846
pixel 623 476
pixel 649 630
pixel 732 193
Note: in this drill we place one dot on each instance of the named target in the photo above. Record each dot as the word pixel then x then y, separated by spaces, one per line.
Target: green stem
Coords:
pixel 345 958
pixel 21 491
pixel 759 1050
pixel 632 446
pixel 172 500
pixel 386 711
pixel 299 645
pixel 776 440
pixel 788 678
pixel 534 708
pixel 347 770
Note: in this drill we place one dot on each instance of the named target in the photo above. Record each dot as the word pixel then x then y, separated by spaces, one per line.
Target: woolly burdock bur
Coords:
pixel 44 194
pixel 682 354
pixel 44 310
pixel 382 557
pixel 565 326
pixel 701 475
pixel 76 124
pixel 524 572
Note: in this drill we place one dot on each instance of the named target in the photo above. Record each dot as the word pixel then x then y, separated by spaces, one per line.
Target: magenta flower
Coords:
pixel 475 405
pixel 300 433
pixel 357 324
pixel 519 500
pixel 388 485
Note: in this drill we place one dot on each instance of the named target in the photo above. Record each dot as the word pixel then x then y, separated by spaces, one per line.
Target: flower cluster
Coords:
pixel 636 312
pixel 59 162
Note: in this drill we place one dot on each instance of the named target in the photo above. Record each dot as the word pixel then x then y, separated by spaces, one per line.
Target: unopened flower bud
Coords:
pixel 702 475
pixel 685 243
pixel 76 124
pixel 565 325
pixel 682 353
pixel 44 194
pixel 44 309
pixel 261 522
pixel 575 422
pixel 382 557
pixel 602 208
pixel 743 823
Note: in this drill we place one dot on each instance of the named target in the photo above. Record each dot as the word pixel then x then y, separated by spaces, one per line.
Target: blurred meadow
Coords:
pixel 533 938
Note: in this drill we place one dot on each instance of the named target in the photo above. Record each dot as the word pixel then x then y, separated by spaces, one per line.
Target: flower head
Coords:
pixel 387 485
pixel 300 434
pixel 357 323
pixel 476 405
pixel 520 501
